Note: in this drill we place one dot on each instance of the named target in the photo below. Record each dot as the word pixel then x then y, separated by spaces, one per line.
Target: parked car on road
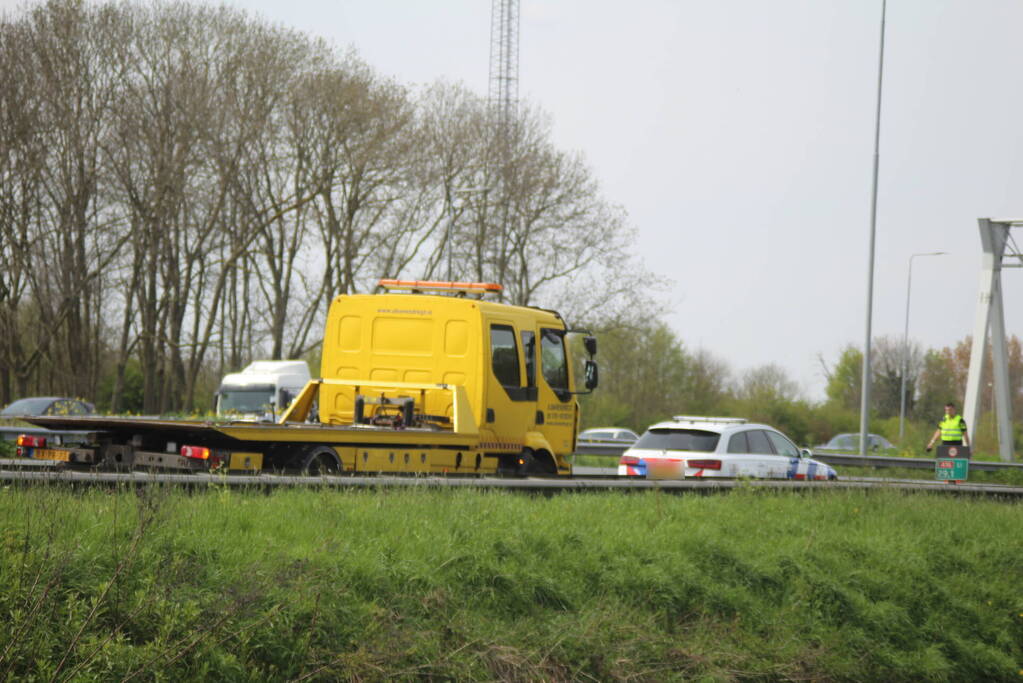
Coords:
pixel 690 446
pixel 851 443
pixel 47 405
pixel 607 436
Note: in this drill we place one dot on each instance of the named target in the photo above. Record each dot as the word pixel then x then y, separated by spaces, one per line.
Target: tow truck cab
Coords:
pixel 513 361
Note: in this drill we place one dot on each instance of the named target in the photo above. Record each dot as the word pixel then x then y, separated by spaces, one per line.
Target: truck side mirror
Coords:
pixel 283 398
pixel 592 376
pixel 591 346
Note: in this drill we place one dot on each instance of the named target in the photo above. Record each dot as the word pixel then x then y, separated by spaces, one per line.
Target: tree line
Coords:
pixel 648 374
pixel 185 187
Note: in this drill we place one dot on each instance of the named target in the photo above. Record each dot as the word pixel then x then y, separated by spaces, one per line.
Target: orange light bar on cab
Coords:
pixel 443 286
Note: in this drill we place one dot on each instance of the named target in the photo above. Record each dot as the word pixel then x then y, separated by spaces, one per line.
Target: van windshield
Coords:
pixel 679 440
pixel 248 400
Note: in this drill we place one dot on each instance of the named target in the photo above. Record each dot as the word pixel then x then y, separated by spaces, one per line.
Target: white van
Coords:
pixel 262 390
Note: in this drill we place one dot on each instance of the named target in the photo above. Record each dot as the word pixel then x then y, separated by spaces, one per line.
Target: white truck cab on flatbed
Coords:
pixel 263 390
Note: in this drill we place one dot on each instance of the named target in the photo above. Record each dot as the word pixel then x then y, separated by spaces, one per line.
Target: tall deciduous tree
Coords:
pixel 945 372
pixel 200 184
pixel 845 379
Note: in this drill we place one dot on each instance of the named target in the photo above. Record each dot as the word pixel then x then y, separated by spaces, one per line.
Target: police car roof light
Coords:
pixel 725 420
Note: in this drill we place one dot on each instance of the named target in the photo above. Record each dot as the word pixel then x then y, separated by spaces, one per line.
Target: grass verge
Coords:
pixel 159 584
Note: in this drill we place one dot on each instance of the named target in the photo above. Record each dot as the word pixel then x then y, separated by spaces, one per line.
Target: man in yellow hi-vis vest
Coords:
pixel 951 430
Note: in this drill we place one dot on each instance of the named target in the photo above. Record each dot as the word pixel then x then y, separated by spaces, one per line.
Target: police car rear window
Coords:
pixel 679 440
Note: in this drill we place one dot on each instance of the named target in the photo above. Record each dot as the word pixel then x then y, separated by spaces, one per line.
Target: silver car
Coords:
pixel 616 436
pixel 850 443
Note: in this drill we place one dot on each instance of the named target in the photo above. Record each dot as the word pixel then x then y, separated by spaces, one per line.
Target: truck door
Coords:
pixel 510 403
pixel 556 405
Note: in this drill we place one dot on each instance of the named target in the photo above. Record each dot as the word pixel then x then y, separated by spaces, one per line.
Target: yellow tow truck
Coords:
pixel 426 377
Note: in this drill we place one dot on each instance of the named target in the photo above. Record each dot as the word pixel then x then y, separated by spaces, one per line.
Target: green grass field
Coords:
pixel 161 584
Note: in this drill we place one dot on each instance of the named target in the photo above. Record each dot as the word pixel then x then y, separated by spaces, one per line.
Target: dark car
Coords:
pixel 47 405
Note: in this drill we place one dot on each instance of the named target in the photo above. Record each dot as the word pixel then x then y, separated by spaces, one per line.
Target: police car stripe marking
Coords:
pixel 793 469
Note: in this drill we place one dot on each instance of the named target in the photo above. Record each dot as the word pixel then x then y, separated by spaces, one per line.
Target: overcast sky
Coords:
pixel 738 135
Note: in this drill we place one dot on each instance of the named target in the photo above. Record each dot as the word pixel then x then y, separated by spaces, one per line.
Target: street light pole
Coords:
pixel 865 385
pixel 905 344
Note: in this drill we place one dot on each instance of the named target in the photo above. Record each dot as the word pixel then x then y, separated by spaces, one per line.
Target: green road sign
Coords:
pixel 951 469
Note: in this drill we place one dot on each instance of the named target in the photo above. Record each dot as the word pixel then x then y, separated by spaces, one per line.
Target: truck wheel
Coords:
pixel 526 462
pixel 321 460
pixel 543 463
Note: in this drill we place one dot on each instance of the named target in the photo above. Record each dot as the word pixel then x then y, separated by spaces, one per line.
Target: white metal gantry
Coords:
pixel 995 240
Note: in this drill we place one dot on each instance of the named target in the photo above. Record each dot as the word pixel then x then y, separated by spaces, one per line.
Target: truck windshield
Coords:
pixel 678 440
pixel 246 400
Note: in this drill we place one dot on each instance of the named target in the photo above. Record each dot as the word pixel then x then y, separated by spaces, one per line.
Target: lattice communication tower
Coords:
pixel 504 60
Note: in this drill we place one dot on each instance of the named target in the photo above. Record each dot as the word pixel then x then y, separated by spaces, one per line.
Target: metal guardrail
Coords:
pixel 912 463
pixel 849 460
pixel 552 485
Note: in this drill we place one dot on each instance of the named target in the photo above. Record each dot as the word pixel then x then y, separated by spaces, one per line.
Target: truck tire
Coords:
pixel 543 463
pixel 526 462
pixel 321 460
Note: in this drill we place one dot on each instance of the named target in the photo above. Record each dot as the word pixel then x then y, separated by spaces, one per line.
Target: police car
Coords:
pixel 689 446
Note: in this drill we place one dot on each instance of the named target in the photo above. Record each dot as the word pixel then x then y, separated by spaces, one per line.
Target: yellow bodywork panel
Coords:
pixel 421 460
pixel 248 462
pixel 385 345
pixel 299 409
